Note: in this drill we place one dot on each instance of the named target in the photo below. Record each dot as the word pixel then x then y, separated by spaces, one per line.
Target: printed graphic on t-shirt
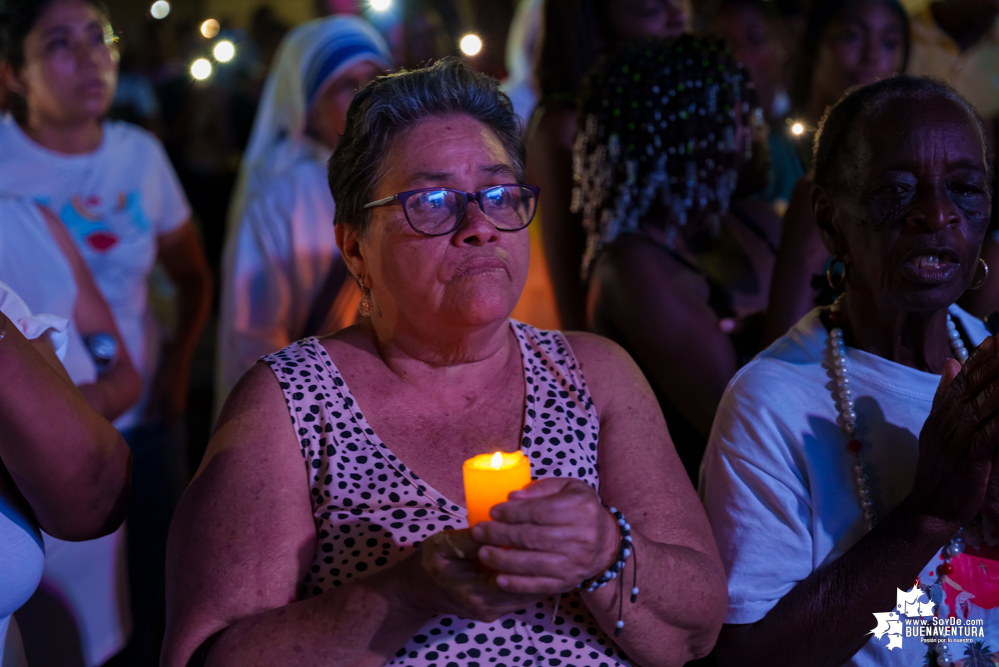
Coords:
pixel 100 230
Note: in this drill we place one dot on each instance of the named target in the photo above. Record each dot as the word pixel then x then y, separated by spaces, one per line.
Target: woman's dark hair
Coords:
pixel 838 139
pixel 391 104
pixel 18 18
pixel 658 130
pixel 822 14
pixel 574 34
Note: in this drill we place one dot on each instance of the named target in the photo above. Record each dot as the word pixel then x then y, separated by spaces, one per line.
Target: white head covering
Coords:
pixel 308 60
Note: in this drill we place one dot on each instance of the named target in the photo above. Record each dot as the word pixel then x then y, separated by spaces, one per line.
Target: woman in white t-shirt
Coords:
pixel 280 250
pixel 842 466
pixel 115 192
pixel 62 466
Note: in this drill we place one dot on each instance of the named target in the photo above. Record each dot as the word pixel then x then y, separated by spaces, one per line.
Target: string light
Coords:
pixel 210 28
pixel 381 5
pixel 224 51
pixel 160 9
pixel 201 69
pixel 797 128
pixel 470 45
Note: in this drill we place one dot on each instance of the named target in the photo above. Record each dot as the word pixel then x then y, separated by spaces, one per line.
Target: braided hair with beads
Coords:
pixel 660 130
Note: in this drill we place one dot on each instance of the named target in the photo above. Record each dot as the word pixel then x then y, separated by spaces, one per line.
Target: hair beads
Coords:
pixel 659 125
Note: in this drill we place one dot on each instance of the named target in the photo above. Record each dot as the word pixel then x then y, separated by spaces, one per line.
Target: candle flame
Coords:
pixel 497 461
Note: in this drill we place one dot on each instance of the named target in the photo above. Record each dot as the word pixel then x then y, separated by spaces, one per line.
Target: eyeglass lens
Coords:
pixel 508 207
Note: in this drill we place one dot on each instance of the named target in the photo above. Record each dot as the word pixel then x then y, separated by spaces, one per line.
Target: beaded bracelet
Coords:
pixel 624 551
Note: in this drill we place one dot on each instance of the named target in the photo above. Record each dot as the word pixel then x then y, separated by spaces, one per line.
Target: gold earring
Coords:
pixel 981 270
pixel 834 283
pixel 365 306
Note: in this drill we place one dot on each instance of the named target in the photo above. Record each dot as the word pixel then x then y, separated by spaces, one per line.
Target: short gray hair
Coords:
pixel 391 104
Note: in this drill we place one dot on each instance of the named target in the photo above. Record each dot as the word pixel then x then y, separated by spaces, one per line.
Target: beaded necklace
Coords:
pixel 843 396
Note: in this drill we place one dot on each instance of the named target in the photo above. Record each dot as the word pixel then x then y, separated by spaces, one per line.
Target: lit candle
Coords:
pixel 489 479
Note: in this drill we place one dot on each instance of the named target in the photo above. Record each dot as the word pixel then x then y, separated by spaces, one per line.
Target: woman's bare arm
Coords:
pixel 241 542
pixel 826 618
pixel 549 165
pixel 70 464
pixel 183 258
pixel 117 389
pixel 683 595
pixel 244 536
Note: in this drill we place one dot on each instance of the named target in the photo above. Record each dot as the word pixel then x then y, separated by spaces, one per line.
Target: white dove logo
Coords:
pixel 889 622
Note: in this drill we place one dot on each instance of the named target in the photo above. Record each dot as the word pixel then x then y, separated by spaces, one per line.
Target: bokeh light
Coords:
pixel 210 28
pixel 201 69
pixel 470 45
pixel 381 5
pixel 797 128
pixel 224 51
pixel 160 9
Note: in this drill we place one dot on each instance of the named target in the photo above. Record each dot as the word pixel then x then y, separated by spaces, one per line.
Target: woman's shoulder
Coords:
pixel 790 364
pixel 122 135
pixel 257 398
pixel 606 366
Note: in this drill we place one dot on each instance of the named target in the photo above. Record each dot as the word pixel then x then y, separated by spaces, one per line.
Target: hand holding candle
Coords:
pixel 489 479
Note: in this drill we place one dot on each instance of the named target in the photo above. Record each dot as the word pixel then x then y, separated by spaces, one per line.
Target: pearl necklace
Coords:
pixel 848 422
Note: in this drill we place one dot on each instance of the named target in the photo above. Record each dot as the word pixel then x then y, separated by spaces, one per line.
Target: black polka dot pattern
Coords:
pixel 371 510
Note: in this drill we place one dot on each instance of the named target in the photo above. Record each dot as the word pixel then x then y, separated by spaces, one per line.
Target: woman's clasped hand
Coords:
pixel 957 476
pixel 546 540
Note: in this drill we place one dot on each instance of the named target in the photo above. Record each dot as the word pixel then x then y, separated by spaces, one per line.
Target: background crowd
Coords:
pixel 164 226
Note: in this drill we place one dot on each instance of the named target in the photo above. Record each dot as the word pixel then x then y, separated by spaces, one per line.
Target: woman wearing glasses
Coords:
pixel 363 555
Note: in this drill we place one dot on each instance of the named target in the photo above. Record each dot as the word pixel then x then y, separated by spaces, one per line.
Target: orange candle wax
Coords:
pixel 489 479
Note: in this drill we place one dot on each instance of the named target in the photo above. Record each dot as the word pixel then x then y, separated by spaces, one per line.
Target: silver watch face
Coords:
pixel 103 347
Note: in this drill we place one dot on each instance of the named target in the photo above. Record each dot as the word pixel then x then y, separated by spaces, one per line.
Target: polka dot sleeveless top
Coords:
pixel 372 511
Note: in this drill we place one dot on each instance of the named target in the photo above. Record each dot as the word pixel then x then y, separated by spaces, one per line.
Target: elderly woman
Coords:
pixel 855 456
pixel 333 482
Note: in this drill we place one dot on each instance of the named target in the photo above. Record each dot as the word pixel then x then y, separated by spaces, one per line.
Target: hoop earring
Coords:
pixel 836 284
pixel 365 306
pixel 983 270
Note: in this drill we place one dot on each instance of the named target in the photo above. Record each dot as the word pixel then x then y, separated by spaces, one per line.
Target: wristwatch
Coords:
pixel 103 349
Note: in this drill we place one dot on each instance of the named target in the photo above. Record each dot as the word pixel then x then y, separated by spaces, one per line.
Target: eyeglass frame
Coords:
pixel 401 197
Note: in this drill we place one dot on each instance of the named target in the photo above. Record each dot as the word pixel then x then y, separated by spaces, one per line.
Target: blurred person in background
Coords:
pixel 40 262
pixel 957 41
pixel 574 34
pixel 74 617
pixel 64 469
pixel 425 35
pixel 112 187
pixel 521 48
pixel 282 270
pixel 678 266
pixel 750 27
pixel 847 43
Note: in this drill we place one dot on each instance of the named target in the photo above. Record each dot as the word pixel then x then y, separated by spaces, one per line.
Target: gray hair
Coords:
pixel 391 104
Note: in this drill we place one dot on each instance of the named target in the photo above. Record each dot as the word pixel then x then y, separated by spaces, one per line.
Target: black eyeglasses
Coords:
pixel 439 211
